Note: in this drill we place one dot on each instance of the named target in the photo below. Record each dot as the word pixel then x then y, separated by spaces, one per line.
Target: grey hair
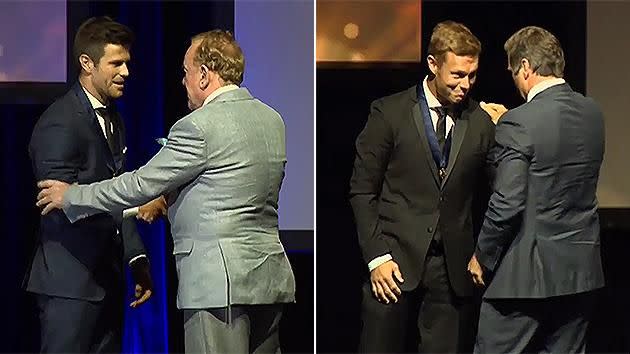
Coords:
pixel 540 47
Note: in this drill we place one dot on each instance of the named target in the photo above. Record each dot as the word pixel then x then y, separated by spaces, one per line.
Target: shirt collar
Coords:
pixel 217 92
pixel 93 100
pixel 542 86
pixel 432 101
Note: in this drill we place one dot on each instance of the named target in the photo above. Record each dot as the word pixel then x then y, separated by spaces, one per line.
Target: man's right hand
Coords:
pixel 495 110
pixel 152 210
pixel 383 279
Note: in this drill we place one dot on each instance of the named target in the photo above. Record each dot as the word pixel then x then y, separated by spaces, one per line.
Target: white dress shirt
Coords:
pixel 97 104
pixel 217 92
pixel 432 102
pixel 542 86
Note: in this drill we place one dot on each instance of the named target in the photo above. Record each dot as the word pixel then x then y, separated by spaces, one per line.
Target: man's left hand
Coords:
pixel 51 195
pixel 141 273
pixel 475 269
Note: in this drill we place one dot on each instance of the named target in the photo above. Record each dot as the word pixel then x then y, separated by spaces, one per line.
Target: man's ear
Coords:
pixel 432 63
pixel 527 68
pixel 206 77
pixel 87 64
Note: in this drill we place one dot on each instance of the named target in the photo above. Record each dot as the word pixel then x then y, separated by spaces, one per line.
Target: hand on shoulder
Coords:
pixel 495 110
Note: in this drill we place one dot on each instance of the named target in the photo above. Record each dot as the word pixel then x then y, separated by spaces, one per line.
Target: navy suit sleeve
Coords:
pixel 131 240
pixel 512 153
pixel 53 150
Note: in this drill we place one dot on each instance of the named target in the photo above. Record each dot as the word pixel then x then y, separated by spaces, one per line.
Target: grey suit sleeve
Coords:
pixel 182 159
pixel 504 214
pixel 491 166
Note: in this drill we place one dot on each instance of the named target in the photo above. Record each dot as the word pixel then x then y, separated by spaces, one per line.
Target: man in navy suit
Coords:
pixel 77 270
pixel 539 247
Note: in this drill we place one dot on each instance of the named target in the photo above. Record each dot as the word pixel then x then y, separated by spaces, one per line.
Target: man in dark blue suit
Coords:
pixel 539 248
pixel 77 270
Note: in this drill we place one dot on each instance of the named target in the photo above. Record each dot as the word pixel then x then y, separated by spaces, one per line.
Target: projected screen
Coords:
pixel 33 41
pixel 368 31
pixel 280 73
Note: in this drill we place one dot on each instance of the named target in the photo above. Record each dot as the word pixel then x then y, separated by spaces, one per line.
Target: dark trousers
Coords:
pixel 430 318
pixel 550 325
pixel 241 329
pixel 79 326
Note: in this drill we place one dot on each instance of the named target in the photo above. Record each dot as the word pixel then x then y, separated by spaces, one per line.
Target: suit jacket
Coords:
pixel 397 198
pixel 81 260
pixel 540 237
pixel 226 163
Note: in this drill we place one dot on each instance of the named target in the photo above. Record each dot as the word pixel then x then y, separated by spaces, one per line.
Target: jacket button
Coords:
pixel 429 229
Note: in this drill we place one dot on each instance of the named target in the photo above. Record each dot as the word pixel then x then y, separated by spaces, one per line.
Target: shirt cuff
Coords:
pixel 136 257
pixel 378 261
pixel 130 212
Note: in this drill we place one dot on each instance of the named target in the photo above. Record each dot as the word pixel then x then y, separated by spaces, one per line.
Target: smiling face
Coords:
pixel 106 79
pixel 454 76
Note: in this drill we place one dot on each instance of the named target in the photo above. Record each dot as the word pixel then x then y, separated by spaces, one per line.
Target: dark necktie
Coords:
pixel 107 118
pixel 440 129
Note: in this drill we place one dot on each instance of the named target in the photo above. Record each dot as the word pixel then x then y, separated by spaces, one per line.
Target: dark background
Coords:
pixel 344 92
pixel 154 99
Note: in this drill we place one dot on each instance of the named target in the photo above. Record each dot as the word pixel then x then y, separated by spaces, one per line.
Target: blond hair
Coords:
pixel 219 51
pixel 450 36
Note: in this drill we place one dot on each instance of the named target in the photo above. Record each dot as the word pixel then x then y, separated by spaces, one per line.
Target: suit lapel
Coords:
pixel 87 112
pixel 419 122
pixel 119 142
pixel 459 133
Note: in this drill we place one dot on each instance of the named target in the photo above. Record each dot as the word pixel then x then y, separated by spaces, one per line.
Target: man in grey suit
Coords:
pixel 221 168
pixel 539 248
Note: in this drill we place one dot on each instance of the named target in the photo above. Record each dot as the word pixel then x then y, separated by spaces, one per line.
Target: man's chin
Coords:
pixel 457 99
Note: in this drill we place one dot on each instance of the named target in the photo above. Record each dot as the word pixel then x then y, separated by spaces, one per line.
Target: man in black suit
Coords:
pixel 77 270
pixel 539 248
pixel 419 172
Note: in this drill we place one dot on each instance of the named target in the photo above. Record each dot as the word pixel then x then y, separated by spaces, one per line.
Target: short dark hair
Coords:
pixel 451 36
pixel 220 52
pixel 95 33
pixel 540 47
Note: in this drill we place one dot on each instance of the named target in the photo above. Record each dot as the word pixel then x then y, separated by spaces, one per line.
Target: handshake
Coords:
pixel 150 211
